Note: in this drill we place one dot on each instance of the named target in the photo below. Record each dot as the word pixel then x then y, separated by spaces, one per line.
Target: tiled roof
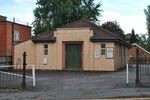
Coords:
pixel 98 31
pixel 45 37
pixel 134 44
pixel 100 34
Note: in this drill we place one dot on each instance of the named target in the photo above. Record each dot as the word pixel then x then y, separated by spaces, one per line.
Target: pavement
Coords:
pixel 66 85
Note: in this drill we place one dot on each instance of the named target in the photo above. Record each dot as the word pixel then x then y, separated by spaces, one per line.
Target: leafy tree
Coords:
pixel 113 27
pixel 51 14
pixel 144 41
pixel 133 38
pixel 128 36
pixel 147 13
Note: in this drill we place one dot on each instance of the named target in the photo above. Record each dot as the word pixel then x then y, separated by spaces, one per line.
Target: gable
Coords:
pixel 97 30
pixel 134 45
pixel 99 34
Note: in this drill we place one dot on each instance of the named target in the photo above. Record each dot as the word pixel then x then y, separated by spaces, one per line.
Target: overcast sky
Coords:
pixel 128 13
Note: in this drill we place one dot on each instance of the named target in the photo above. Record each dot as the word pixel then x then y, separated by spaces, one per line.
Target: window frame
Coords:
pixel 103 48
pixel 45 46
pixel 16 37
pixel 108 51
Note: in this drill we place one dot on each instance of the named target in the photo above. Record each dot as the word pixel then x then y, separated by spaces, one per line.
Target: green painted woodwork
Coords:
pixel 73 56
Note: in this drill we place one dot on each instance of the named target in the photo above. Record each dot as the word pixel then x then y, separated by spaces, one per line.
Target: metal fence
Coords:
pixel 144 72
pixel 11 77
pixel 142 67
pixel 17 76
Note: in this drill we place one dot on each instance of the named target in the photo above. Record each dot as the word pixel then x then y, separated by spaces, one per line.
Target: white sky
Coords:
pixel 128 13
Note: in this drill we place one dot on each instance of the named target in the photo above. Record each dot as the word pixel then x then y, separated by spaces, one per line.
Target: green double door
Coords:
pixel 73 56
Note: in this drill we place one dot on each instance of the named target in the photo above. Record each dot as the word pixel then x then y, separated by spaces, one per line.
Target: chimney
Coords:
pixel 3 18
pixel 14 19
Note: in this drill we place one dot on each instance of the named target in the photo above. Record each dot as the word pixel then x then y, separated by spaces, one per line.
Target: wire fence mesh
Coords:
pixel 11 76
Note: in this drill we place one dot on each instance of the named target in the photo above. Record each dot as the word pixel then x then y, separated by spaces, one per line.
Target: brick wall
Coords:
pixel 6 29
pixel 3 31
pixel 132 52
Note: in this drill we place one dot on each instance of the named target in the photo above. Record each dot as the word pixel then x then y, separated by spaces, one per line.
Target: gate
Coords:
pixel 16 76
pixel 142 67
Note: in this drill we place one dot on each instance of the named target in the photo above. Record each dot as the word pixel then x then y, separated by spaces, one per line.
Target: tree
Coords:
pixel 132 37
pixel 128 36
pixel 144 41
pixel 147 13
pixel 113 27
pixel 51 14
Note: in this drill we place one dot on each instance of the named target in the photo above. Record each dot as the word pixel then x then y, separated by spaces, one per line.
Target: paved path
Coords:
pixel 79 85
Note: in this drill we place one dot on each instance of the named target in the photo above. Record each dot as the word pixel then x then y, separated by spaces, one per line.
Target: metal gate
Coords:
pixel 15 76
pixel 142 67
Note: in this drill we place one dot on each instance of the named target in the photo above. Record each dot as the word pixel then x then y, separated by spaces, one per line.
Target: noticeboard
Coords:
pixel 97 54
pixel 110 52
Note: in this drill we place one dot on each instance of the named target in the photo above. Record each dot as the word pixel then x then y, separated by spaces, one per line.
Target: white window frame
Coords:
pixel 110 52
pixel 16 35
pixel 103 48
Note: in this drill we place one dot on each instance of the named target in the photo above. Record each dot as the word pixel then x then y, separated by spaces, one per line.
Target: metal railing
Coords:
pixel 142 69
pixel 16 76
pixel 11 76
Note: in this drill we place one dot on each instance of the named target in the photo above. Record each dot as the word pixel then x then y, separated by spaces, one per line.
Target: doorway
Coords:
pixel 73 56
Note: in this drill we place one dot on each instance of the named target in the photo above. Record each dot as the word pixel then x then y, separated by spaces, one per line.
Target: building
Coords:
pixel 80 45
pixel 132 51
pixel 11 34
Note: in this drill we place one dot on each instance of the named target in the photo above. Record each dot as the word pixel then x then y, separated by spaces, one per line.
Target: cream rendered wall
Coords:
pixel 74 34
pixel 121 56
pixel 35 52
pixel 103 63
pixel 50 57
pixel 29 48
pixel 117 56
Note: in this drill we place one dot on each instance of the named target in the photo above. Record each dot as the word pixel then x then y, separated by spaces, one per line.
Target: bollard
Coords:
pixel 127 73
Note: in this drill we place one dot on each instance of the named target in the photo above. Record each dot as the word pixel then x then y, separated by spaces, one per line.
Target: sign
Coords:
pixel 45 61
pixel 109 52
pixel 97 54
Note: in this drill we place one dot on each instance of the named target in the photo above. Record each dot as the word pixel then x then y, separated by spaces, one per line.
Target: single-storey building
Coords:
pixel 142 51
pixel 80 45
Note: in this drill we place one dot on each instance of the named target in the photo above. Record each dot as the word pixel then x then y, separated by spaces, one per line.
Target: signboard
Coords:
pixel 109 52
pixel 45 61
pixel 97 54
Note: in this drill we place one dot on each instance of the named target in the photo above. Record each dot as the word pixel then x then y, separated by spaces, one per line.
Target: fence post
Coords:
pixel 137 82
pixel 33 75
pixel 127 72
pixel 24 71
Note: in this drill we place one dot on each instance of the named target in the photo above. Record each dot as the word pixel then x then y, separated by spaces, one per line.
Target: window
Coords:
pixel 16 35
pixel 45 49
pixel 103 49
pixel 110 52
